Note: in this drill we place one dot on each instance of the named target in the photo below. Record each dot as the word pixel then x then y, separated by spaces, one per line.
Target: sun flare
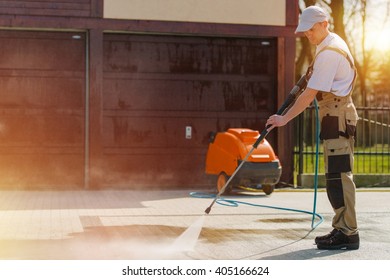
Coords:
pixel 379 40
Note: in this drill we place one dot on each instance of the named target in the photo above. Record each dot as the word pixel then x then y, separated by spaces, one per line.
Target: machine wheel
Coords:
pixel 221 181
pixel 268 189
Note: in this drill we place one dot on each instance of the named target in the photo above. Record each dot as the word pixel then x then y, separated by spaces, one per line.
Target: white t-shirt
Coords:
pixel 332 71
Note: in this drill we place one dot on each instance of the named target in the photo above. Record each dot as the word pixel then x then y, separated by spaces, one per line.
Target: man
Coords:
pixel 332 77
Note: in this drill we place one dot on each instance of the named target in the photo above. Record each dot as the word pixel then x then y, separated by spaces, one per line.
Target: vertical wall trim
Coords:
pixel 86 125
pixel 292 12
pixel 284 140
pixel 281 97
pixel 97 8
pixel 95 112
pixel 281 71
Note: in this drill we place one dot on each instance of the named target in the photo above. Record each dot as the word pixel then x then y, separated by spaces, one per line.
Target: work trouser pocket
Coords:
pixel 329 127
pixel 351 119
pixel 338 155
pixel 334 190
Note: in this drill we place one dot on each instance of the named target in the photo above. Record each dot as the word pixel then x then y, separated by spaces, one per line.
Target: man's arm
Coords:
pixel 303 101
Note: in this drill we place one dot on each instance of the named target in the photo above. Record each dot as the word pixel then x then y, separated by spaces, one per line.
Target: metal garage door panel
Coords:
pixel 41 109
pixel 156 86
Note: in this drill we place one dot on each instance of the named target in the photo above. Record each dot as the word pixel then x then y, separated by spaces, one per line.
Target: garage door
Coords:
pixel 164 95
pixel 42 78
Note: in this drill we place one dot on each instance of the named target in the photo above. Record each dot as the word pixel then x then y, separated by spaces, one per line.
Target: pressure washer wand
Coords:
pixel 297 89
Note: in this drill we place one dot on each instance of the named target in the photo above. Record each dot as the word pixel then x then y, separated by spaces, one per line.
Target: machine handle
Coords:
pixel 297 89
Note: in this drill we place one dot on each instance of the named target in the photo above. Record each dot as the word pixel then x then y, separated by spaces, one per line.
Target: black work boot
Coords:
pixel 340 241
pixel 326 236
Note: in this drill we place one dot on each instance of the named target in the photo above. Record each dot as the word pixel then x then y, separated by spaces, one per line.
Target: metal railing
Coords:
pixel 372 143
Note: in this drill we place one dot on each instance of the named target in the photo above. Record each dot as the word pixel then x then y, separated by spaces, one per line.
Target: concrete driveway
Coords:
pixel 171 224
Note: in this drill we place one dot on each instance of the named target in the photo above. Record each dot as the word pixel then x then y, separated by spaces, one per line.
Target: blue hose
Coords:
pixel 317 133
pixel 235 203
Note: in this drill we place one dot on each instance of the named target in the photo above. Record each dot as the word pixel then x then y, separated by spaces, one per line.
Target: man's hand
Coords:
pixel 302 102
pixel 275 121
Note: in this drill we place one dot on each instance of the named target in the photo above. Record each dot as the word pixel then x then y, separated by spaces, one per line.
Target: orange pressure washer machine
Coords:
pixel 261 171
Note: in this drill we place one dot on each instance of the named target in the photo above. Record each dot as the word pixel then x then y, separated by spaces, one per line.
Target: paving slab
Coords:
pixel 171 224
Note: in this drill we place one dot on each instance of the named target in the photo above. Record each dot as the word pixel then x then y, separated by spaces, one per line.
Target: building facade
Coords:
pixel 125 93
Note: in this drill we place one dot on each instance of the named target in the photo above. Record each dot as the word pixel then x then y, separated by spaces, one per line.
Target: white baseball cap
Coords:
pixel 310 16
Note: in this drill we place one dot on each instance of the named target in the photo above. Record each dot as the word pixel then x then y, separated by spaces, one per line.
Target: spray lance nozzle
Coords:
pixel 297 89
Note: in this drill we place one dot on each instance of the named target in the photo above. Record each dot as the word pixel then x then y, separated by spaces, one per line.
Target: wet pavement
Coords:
pixel 149 224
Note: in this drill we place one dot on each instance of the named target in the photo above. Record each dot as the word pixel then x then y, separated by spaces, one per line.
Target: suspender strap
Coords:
pixel 340 51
